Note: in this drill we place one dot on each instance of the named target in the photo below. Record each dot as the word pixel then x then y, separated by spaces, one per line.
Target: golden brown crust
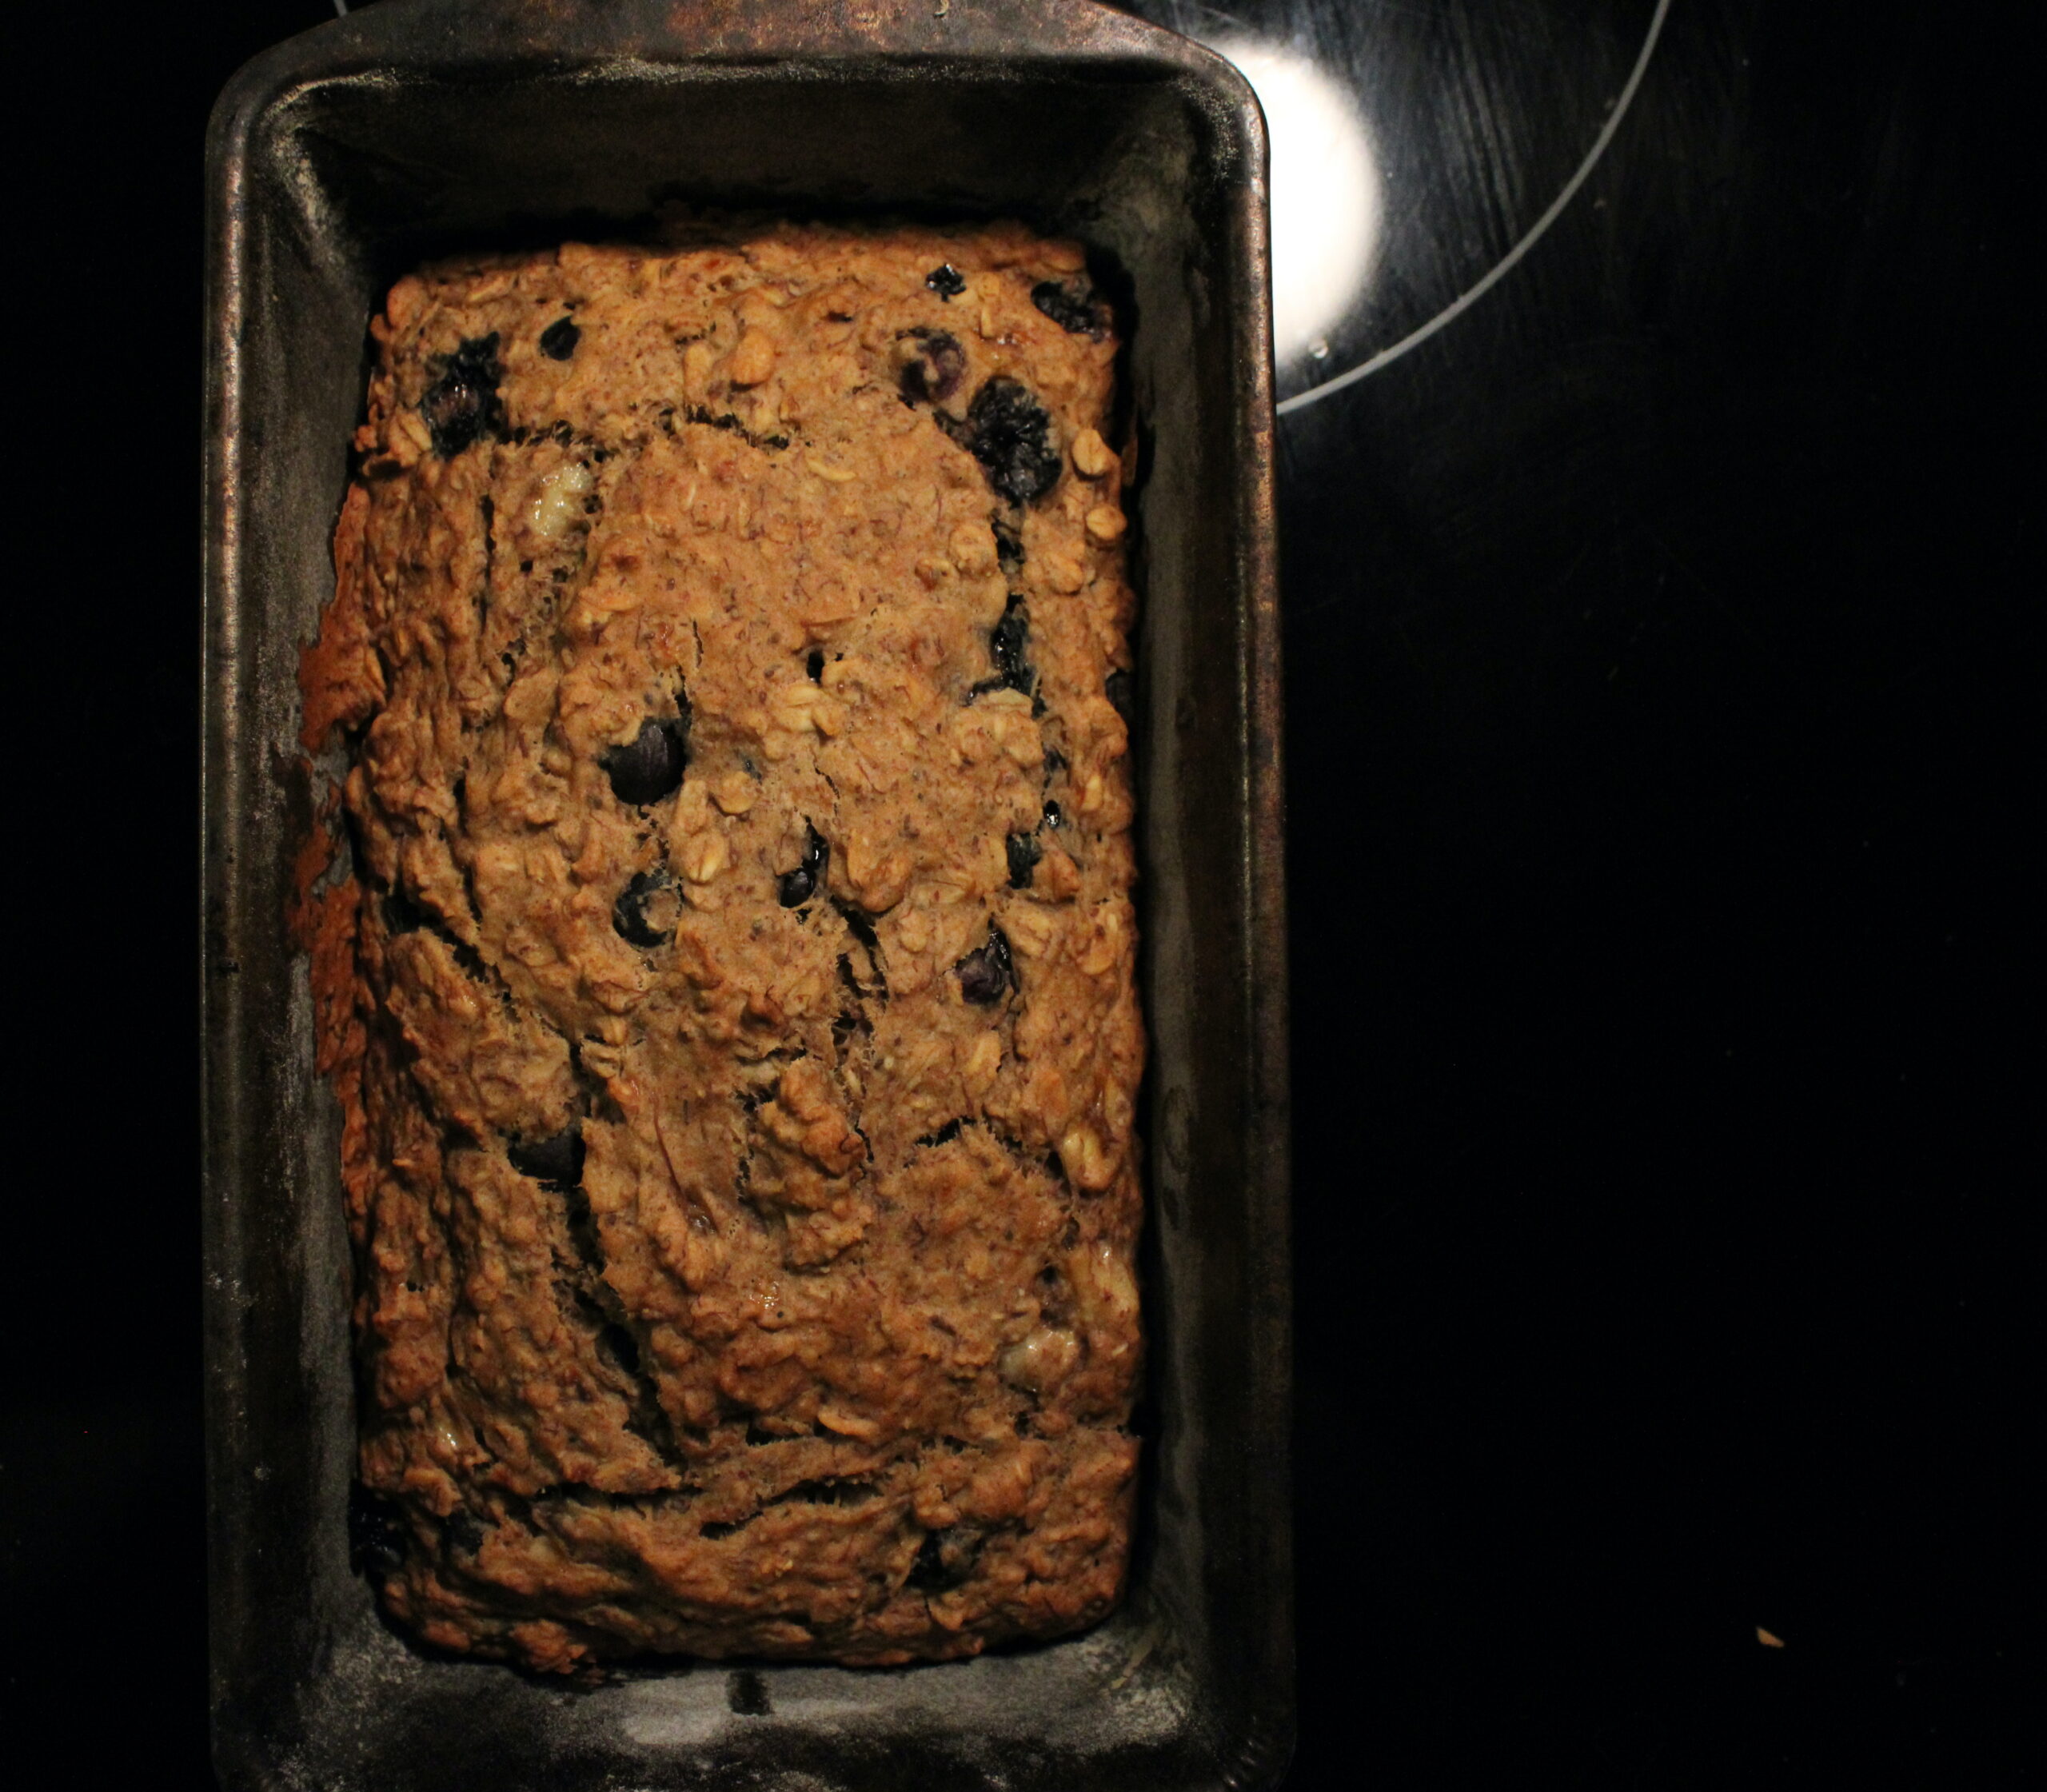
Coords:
pixel 742 1172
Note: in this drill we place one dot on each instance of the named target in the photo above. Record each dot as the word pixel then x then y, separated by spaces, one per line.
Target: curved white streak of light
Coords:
pixel 1505 265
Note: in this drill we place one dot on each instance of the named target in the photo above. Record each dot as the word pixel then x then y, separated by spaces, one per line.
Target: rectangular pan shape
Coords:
pixel 335 163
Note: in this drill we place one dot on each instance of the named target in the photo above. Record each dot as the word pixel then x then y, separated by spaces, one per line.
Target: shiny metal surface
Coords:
pixel 336 162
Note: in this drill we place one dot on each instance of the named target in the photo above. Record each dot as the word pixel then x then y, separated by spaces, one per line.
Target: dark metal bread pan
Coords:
pixel 335 163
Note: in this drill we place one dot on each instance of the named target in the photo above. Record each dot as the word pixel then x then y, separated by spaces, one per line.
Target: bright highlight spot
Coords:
pixel 1325 194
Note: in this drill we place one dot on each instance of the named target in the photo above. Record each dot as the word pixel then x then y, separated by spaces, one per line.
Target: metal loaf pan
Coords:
pixel 335 163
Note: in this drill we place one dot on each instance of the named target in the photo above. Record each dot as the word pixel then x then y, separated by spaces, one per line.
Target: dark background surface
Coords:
pixel 1662 654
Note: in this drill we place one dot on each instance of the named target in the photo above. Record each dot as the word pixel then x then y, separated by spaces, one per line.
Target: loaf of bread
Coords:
pixel 729 983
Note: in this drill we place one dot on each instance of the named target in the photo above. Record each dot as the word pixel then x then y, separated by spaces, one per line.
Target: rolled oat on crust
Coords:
pixel 731 1004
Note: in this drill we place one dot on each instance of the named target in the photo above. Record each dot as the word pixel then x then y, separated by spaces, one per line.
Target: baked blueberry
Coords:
pixel 1024 852
pixel 946 281
pixel 557 1162
pixel 987 972
pixel 934 368
pixel 644 914
pixel 1008 544
pixel 1010 434
pixel 462 1531
pixel 1009 646
pixel 944 1559
pixel 558 340
pixel 793 888
pixel 1071 305
pixel 927 1573
pixel 651 765
pixel 461 405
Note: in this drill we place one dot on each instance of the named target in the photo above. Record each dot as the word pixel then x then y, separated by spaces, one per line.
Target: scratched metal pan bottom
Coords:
pixel 337 162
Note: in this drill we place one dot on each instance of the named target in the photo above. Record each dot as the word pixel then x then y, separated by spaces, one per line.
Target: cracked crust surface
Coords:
pixel 740 1168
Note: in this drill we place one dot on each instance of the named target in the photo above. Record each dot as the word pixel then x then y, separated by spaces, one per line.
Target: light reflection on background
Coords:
pixel 1325 191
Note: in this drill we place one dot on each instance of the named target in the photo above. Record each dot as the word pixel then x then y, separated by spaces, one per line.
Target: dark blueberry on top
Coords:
pixel 815 664
pixel 935 368
pixel 987 972
pixel 651 765
pixel 462 405
pixel 1070 303
pixel 558 340
pixel 927 1573
pixel 1008 544
pixel 944 1559
pixel 1116 687
pixel 557 1162
pixel 644 914
pixel 377 1533
pixel 462 1531
pixel 793 888
pixel 1024 852
pixel 946 281
pixel 1055 815
pixel 1010 434
pixel 1009 646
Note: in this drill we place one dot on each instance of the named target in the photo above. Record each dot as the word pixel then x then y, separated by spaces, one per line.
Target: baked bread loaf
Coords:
pixel 730 988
